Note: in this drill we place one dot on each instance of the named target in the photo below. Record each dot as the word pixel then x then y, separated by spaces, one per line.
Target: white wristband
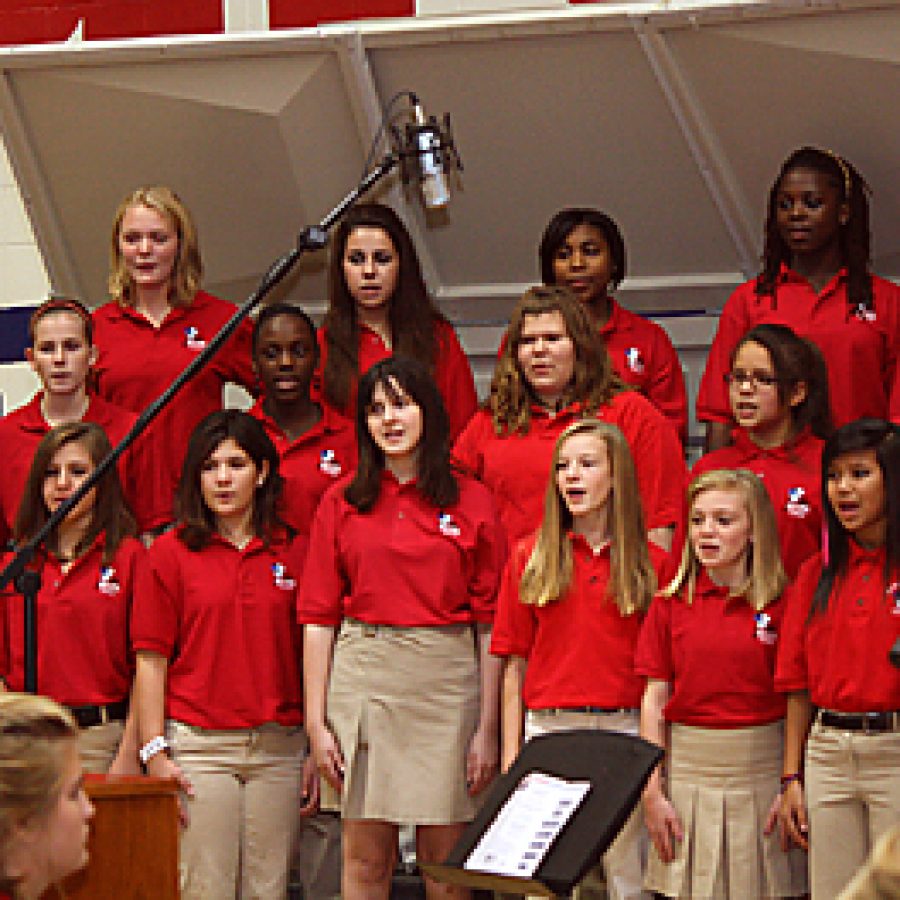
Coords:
pixel 152 748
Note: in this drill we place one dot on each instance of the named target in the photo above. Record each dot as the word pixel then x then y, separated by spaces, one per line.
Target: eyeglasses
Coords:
pixel 755 379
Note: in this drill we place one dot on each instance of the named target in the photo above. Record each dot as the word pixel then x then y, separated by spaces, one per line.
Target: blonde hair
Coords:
pixel 548 573
pixel 35 734
pixel 594 382
pixel 188 268
pixel 766 578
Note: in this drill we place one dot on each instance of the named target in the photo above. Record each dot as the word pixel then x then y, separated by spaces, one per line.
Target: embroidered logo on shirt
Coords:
pixel 192 339
pixel 796 503
pixel 765 630
pixel 894 592
pixel 329 464
pixel 634 359
pixel 447 526
pixel 281 577
pixel 108 584
pixel 864 314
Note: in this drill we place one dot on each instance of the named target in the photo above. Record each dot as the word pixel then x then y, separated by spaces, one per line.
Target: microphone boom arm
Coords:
pixel 310 239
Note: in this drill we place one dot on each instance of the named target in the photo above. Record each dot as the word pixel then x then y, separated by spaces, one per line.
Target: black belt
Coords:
pixel 870 721
pixel 88 716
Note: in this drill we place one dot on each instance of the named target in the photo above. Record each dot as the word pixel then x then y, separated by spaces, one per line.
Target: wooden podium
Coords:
pixel 133 842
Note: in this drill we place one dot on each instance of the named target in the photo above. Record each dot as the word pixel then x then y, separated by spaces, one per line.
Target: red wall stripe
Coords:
pixel 28 22
pixel 304 13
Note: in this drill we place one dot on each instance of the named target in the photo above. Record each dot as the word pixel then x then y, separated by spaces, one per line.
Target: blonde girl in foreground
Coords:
pixel 570 610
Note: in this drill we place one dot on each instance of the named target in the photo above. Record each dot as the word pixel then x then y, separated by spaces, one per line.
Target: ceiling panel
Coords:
pixel 673 117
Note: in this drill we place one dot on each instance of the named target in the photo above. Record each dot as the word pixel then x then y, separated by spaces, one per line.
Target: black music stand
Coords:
pixel 617 766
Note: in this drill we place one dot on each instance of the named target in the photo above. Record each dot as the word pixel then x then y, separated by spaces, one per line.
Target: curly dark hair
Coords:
pixel 855 236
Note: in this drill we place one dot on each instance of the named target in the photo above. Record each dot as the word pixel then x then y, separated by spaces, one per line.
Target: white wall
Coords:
pixel 23 278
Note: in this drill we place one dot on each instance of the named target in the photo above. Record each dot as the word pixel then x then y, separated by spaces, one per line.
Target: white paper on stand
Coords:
pixel 527 824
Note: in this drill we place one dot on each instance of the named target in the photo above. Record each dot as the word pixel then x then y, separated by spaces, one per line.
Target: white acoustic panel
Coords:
pixel 673 116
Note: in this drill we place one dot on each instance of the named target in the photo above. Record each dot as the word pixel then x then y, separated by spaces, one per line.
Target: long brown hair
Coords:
pixel 412 316
pixel 594 382
pixel 110 515
pixel 434 478
pixel 548 573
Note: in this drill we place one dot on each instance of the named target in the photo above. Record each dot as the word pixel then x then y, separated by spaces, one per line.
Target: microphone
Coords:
pixel 427 154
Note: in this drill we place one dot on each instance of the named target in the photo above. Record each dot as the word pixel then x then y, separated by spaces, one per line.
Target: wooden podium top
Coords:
pixel 101 787
pixel 134 841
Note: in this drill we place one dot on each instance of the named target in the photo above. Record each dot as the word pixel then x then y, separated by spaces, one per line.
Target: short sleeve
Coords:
pixel 324 585
pixel 455 380
pixel 157 601
pixel 653 655
pixel 790 663
pixel 515 624
pixel 488 562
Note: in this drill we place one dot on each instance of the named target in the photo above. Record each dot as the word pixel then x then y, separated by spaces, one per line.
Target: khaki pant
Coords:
pixel 244 813
pixel 853 797
pixel 624 861
pixel 98 746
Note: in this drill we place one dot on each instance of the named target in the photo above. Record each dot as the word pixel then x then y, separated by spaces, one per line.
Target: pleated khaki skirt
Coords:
pixel 722 782
pixel 403 704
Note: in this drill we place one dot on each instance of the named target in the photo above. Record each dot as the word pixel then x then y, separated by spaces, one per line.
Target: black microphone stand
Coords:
pixel 28 582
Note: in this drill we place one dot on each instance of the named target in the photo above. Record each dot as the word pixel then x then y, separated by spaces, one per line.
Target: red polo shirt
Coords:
pixel 792 476
pixel 642 355
pixel 861 349
pixel 22 430
pixel 580 648
pixel 841 655
pixel 311 463
pixel 516 467
pixel 224 618
pixel 717 654
pixel 82 628
pixel 405 562
pixel 452 372
pixel 138 361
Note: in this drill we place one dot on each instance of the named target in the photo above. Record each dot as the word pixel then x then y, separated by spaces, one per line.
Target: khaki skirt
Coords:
pixel 403 704
pixel 722 782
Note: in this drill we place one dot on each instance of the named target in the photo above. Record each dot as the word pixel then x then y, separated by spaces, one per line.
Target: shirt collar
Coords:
pixel 615 314
pixel 785 451
pixel 581 546
pixel 787 275
pixel 864 556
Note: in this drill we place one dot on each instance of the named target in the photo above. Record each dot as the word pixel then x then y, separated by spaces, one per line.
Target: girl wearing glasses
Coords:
pixel 778 394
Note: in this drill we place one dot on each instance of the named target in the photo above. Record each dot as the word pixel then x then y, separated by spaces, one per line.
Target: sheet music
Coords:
pixel 526 826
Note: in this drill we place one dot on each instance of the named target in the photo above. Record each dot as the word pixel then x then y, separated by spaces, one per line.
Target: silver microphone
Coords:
pixel 428 154
pixel 432 175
